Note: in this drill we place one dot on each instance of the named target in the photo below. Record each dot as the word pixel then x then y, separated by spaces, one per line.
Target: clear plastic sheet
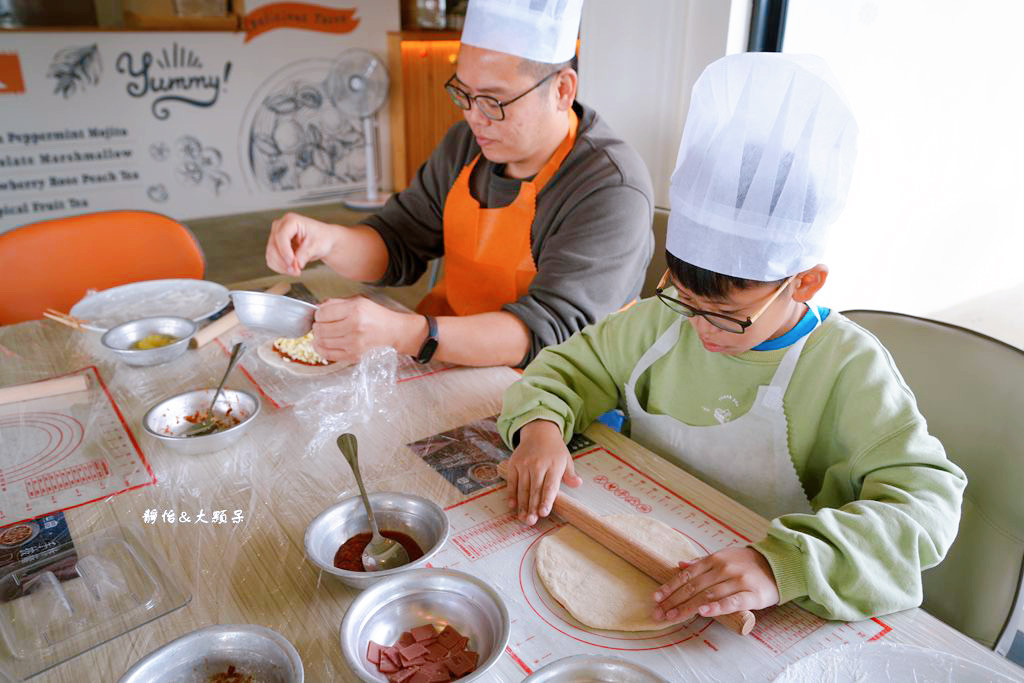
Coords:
pixel 230 525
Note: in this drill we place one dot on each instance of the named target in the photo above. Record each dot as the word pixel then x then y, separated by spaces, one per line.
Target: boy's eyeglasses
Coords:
pixel 722 322
pixel 488 106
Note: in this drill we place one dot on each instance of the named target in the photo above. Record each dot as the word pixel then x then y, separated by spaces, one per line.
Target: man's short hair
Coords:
pixel 541 69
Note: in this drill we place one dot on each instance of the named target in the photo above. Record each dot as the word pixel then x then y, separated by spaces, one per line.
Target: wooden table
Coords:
pixel 256 571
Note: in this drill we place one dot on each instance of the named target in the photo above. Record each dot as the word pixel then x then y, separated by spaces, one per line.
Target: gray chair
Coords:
pixel 970 388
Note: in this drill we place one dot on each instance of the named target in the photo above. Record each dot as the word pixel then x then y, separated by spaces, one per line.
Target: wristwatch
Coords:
pixel 430 343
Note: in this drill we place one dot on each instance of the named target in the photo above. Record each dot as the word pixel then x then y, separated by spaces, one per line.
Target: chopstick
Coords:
pixel 64 318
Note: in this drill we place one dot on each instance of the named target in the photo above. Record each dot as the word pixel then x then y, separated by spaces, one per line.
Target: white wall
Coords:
pixel 934 216
pixel 638 63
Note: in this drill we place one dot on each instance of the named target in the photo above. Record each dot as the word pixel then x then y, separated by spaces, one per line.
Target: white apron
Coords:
pixel 747 458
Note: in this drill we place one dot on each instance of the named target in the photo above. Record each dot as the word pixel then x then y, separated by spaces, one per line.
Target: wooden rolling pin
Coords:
pixel 631 550
pixel 227 321
pixel 48 387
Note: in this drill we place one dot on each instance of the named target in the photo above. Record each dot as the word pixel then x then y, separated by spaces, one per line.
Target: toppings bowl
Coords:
pixel 422 520
pixel 171 419
pixel 451 602
pixel 281 315
pixel 203 655
pixel 149 341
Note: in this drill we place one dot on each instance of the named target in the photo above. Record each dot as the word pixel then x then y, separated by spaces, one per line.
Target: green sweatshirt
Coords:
pixel 887 499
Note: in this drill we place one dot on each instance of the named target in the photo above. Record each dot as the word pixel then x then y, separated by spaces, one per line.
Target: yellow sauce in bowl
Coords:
pixel 154 341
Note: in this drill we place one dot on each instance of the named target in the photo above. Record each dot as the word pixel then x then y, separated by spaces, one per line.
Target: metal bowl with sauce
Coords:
pixel 149 341
pixel 424 521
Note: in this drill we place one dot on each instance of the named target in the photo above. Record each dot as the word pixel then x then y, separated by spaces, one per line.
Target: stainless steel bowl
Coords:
pixel 196 657
pixel 119 339
pixel 593 669
pixel 281 315
pixel 439 596
pixel 422 520
pixel 166 420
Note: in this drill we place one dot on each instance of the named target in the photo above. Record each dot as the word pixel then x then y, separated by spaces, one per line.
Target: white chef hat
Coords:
pixel 541 30
pixel 763 168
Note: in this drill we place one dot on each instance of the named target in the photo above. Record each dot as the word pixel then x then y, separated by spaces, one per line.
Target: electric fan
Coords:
pixel 358 86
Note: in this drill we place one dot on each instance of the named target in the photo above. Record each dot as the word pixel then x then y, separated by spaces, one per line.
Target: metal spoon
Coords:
pixel 380 553
pixel 207 424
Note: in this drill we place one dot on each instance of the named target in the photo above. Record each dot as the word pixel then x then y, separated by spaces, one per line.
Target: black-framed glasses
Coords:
pixel 489 106
pixel 722 322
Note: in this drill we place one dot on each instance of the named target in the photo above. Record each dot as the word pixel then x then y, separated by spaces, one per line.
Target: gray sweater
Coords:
pixel 591 237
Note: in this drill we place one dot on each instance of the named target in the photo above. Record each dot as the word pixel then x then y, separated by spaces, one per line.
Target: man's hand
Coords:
pixel 728 581
pixel 535 469
pixel 343 329
pixel 297 240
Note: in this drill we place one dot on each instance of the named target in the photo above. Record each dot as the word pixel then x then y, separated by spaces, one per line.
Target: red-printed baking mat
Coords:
pixel 487 540
pixel 64 451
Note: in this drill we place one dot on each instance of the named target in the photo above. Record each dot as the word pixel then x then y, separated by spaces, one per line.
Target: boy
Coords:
pixel 730 372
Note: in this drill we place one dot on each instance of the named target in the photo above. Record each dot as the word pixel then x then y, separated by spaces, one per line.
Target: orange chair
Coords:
pixel 51 264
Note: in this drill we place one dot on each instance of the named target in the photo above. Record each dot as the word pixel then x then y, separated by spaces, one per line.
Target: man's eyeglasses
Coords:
pixel 488 106
pixel 722 322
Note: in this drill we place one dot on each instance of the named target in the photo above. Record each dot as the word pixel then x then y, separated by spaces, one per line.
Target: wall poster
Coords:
pixel 188 124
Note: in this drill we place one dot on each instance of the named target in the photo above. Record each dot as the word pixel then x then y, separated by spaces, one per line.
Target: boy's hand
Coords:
pixel 535 469
pixel 728 581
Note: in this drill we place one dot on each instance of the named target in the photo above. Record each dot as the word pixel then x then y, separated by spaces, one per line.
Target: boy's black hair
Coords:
pixel 708 284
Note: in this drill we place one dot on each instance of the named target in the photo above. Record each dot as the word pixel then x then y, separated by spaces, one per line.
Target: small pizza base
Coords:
pixel 268 355
pixel 599 588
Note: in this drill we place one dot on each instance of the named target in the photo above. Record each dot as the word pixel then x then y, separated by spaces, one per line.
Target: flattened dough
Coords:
pixel 268 355
pixel 599 588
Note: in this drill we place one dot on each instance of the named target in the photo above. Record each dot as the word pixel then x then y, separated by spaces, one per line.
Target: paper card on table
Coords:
pixel 468 456
pixel 30 543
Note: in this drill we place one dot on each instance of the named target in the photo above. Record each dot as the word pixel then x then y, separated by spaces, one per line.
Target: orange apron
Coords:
pixel 487 258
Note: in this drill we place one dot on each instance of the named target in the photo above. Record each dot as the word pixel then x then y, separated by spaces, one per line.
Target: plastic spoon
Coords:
pixel 380 553
pixel 207 425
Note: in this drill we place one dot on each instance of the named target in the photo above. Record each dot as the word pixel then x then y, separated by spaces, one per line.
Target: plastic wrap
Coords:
pixel 227 528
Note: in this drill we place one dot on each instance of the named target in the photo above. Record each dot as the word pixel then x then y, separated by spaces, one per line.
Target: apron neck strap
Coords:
pixel 552 164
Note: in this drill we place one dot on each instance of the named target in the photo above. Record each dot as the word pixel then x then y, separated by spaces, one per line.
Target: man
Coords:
pixel 542 215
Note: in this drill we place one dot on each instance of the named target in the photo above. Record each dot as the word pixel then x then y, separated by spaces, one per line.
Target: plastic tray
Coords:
pixel 69 603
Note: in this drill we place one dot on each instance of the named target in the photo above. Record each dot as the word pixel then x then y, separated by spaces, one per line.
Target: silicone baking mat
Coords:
pixel 63 451
pixel 487 541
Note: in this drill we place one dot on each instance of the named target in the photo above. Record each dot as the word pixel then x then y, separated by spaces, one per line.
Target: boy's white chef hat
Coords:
pixel 541 30
pixel 763 168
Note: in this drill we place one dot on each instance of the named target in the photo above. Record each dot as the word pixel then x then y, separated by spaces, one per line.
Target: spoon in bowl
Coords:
pixel 207 424
pixel 380 553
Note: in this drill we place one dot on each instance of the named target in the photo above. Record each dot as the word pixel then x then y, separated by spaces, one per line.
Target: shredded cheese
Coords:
pixel 300 349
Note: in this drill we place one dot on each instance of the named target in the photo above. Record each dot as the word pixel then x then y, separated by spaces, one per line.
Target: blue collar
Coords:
pixel 802 328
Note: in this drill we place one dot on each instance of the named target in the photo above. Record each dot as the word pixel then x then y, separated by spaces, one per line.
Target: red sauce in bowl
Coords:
pixel 350 555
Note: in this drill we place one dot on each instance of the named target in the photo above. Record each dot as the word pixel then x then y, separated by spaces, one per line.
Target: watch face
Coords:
pixel 427 350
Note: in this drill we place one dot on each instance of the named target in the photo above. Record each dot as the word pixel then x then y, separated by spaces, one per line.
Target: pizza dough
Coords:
pixel 598 587
pixel 268 355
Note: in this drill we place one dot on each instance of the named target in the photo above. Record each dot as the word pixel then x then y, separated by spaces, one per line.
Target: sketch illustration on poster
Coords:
pixel 297 138
pixel 75 67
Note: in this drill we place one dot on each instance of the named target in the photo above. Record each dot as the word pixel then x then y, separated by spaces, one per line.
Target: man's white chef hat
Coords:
pixel 541 30
pixel 764 166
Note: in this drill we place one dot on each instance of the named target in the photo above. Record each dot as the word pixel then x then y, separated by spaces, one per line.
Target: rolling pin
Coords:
pixel 44 388
pixel 227 321
pixel 629 549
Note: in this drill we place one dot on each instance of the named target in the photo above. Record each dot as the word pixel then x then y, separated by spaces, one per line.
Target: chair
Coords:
pixel 51 264
pixel 658 265
pixel 970 388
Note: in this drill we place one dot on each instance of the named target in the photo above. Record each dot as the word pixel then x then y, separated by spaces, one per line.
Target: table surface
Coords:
pixel 287 470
